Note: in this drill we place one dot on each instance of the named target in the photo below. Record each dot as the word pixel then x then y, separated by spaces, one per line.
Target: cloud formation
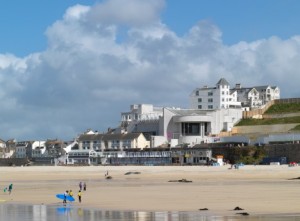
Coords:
pixel 101 59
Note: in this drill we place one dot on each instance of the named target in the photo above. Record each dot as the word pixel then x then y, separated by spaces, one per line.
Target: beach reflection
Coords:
pixel 16 212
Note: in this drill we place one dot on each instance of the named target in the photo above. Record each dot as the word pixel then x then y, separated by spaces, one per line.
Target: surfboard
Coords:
pixel 69 198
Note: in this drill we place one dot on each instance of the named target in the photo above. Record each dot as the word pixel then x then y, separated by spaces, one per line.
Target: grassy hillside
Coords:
pixel 284 108
pixel 286 120
pixel 276 109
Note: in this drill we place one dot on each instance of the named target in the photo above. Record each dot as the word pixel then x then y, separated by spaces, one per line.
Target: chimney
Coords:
pixel 238 86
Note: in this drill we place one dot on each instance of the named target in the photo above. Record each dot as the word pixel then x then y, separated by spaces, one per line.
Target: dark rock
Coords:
pixel 238 208
pixel 297 178
pixel 203 209
pixel 181 181
pixel 128 173
pixel 243 214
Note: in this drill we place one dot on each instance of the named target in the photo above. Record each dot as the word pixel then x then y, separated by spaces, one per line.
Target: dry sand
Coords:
pixel 257 189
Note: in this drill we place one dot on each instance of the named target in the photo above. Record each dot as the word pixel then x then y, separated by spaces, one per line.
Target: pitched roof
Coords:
pixel 91 137
pixel 222 81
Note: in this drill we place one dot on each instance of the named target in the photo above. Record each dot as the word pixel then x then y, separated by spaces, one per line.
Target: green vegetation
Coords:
pixel 247 155
pixel 297 128
pixel 285 120
pixel 284 108
pixel 276 109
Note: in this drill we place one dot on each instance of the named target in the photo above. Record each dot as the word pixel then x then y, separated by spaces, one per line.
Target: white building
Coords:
pixel 38 149
pixel 192 126
pixel 142 118
pixel 268 93
pixel 256 97
pixel 22 149
pixel 249 97
pixel 212 98
pixel 222 96
pixel 101 142
pixel 140 112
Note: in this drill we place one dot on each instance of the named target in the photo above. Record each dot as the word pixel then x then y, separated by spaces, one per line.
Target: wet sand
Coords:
pixel 256 189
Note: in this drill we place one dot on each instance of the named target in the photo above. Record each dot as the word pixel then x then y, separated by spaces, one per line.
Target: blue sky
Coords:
pixel 239 20
pixel 23 23
pixel 67 65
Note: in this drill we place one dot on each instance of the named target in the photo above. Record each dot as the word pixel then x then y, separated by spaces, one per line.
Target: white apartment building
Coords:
pixel 213 98
pixel 222 96
pixel 256 97
pixel 268 93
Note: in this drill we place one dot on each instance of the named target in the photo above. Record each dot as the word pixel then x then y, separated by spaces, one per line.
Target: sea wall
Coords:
pixel 289 150
pixel 13 161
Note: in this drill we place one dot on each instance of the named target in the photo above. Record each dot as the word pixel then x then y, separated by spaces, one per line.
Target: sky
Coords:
pixel 71 65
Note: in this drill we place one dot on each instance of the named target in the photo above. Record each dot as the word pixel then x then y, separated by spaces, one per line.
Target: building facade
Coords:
pixel 100 142
pixel 142 118
pixel 222 96
pixel 185 126
pixel 212 98
pixel 256 97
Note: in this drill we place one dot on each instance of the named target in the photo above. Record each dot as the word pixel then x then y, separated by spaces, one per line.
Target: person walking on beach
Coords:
pixel 84 186
pixel 65 197
pixel 10 188
pixel 79 196
pixel 80 185
pixel 71 193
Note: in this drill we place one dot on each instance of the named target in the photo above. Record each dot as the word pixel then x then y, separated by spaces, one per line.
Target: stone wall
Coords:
pixel 290 151
pixel 13 161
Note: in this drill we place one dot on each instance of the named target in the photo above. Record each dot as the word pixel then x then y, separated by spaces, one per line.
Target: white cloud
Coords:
pixel 76 12
pixel 92 71
pixel 126 12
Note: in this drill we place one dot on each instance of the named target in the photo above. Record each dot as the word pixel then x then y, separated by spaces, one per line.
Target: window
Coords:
pixel 197 93
pixel 210 107
pixel 223 92
pixel 190 129
pixel 210 93
pixel 199 100
pixel 210 100
pixel 199 106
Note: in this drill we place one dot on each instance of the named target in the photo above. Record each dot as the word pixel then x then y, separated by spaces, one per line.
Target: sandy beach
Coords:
pixel 256 189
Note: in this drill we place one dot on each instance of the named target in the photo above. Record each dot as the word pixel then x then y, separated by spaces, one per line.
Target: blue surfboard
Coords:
pixel 69 198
